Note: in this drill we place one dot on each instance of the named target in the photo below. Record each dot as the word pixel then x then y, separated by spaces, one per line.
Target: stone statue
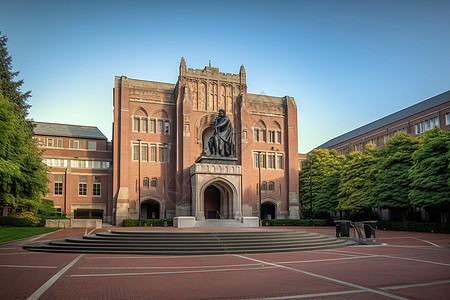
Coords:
pixel 222 142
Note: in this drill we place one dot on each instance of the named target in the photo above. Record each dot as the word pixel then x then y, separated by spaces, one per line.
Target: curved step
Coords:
pixel 190 243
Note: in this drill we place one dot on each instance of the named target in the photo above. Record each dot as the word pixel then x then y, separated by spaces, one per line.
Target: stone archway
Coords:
pixel 211 198
pixel 268 210
pixel 151 207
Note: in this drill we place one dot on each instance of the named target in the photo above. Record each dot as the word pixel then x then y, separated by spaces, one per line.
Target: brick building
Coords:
pixel 414 120
pixel 80 161
pixel 163 128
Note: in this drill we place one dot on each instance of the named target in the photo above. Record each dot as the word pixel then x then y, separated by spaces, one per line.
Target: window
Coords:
pixel 82 185
pixel 436 122
pixel 271 136
pixel 426 125
pixel 264 186
pixel 256 134
pixel 161 154
pixel 280 162
pixel 41 142
pixel 135 124
pixel 144 124
pixel 92 145
pixel 145 182
pixel 263 135
pixel 271 161
pixel 58 181
pixel 278 141
pixel 447 119
pixel 153 182
pixel 166 127
pixel 271 186
pixel 153 125
pixel 152 153
pixel 135 152
pixel 144 152
pixel 96 186
pixel 76 144
pixel 160 126
pixel 431 123
pixel 255 160
pixel 54 143
pixel 263 160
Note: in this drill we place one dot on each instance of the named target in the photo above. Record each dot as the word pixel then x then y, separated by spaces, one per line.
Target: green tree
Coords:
pixel 357 181
pixel 430 173
pixel 23 176
pixel 8 86
pixel 392 184
pixel 325 166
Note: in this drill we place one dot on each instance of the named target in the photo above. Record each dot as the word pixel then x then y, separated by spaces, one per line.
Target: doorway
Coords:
pixel 212 203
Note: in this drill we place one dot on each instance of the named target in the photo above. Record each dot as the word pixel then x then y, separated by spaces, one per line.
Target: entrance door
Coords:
pixel 150 210
pixel 212 202
pixel 268 211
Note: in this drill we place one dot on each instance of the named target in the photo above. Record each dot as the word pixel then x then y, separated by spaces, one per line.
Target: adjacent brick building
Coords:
pixel 414 120
pixel 80 161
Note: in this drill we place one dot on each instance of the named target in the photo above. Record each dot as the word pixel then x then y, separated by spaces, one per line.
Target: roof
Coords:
pixel 68 130
pixel 392 118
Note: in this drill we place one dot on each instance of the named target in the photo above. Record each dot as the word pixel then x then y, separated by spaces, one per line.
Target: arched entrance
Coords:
pixel 212 202
pixel 150 209
pixel 268 210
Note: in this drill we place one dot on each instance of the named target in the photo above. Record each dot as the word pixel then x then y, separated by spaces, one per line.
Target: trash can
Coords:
pixel 342 228
pixel 370 228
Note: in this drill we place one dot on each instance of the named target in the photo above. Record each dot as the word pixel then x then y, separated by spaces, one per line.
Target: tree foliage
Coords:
pixel 430 173
pixel 23 176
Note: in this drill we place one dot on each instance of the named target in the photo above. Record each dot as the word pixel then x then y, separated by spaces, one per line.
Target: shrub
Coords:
pixel 414 226
pixel 146 222
pixel 15 221
pixel 293 222
pixel 28 215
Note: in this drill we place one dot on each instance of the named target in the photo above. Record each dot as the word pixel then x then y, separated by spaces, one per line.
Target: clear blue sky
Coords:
pixel 346 63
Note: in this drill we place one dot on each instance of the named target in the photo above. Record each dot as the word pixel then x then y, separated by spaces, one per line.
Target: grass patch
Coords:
pixel 15 233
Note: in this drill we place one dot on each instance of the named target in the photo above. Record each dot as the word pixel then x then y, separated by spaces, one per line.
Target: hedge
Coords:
pixel 414 226
pixel 293 222
pixel 16 222
pixel 146 222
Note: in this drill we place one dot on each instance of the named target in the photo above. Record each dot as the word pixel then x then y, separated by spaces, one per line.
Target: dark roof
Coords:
pixel 397 116
pixel 68 130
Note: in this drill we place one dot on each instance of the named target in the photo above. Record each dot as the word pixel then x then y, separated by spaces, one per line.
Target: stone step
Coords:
pixel 193 242
pixel 218 223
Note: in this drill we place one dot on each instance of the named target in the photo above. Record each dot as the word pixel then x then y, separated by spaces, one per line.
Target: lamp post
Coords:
pixel 259 188
pixel 165 185
pixel 139 182
pixel 311 222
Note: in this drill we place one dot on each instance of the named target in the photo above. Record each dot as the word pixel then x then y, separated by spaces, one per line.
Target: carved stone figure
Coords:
pixel 222 142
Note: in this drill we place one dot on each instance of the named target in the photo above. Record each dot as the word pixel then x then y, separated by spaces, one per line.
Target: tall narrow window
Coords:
pixel 436 122
pixel 271 136
pixel 82 185
pixel 160 126
pixel 263 160
pixel 255 160
pixel 153 125
pixel 262 135
pixel 271 161
pixel 280 162
pixel 278 140
pixel 161 154
pixel 431 123
pixel 153 182
pixel 264 186
pixel 135 124
pixel 144 124
pixel 166 127
pixel 144 152
pixel 271 186
pixel 447 119
pixel 96 186
pixel 135 152
pixel 152 153
pixel 256 134
pixel 145 182
pixel 58 181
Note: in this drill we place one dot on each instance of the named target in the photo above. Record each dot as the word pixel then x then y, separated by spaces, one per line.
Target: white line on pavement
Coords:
pixel 37 267
pixel 326 278
pixel 52 280
pixel 406 286
pixel 312 295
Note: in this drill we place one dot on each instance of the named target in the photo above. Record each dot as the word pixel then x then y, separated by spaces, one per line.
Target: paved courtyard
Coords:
pixel 410 265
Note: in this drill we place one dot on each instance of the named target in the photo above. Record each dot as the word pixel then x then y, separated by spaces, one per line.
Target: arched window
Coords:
pixel 271 186
pixel 275 133
pixel 145 182
pixel 264 186
pixel 153 182
pixel 259 132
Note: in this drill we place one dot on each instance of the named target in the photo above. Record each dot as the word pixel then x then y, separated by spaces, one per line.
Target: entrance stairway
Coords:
pixel 191 242
pixel 218 223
